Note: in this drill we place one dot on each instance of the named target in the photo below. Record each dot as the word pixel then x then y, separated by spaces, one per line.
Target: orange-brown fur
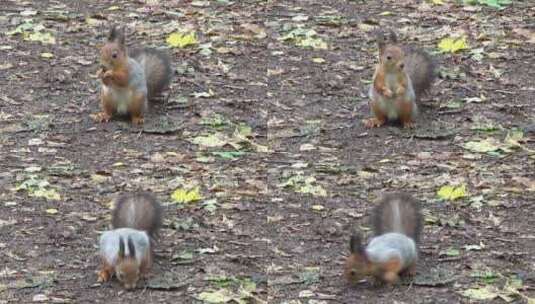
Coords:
pixel 136 109
pixel 117 74
pixel 106 271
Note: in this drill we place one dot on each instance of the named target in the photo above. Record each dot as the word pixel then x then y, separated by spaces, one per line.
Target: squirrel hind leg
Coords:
pixel 108 109
pixel 410 271
pixel 137 108
pixel 379 118
pixel 406 115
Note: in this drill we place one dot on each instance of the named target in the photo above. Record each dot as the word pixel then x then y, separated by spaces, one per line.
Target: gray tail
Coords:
pixel 157 66
pixel 138 210
pixel 421 68
pixel 398 212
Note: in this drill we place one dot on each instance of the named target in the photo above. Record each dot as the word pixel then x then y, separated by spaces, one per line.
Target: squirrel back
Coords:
pixel 157 67
pixel 397 212
pixel 138 210
pixel 418 64
pixel 126 253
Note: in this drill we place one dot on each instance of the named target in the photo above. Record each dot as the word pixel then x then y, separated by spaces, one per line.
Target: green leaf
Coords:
pixel 452 45
pixel 450 252
pixel 482 146
pixel 306 38
pixel 181 40
pixel 183 196
pixel 229 154
pixel 211 140
pixel 49 194
pixel 483 293
pixel 219 296
pixel 452 193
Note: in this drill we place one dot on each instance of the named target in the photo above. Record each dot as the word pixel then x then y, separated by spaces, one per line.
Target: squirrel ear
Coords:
pixel 393 37
pixel 355 244
pixel 131 247
pixel 121 247
pixel 381 42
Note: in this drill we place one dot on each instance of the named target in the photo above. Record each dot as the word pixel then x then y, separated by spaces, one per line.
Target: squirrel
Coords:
pixel 397 224
pixel 402 75
pixel 129 79
pixel 127 250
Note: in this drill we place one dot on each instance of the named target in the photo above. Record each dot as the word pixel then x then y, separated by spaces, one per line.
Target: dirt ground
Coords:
pixel 255 237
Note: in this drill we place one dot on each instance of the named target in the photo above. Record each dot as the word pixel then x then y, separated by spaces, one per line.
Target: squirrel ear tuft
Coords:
pixel 121 247
pixel 116 35
pixel 355 243
pixel 131 247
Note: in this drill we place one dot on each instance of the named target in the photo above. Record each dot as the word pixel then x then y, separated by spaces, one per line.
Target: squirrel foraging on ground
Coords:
pixel 401 76
pixel 129 78
pixel 397 224
pixel 127 250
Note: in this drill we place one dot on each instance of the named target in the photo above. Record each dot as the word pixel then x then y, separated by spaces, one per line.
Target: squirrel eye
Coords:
pixel 401 66
pixel 388 57
pixel 114 55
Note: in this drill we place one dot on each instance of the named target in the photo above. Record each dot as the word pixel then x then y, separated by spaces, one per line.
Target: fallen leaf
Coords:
pixel 182 40
pixel 452 45
pixel 452 193
pixel 183 196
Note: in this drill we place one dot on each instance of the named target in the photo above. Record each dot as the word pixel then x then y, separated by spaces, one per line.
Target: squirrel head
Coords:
pixel 127 269
pixel 357 265
pixel 113 53
pixel 391 55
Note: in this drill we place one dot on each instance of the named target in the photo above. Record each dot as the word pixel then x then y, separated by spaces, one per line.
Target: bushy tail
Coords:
pixel 157 68
pixel 421 69
pixel 138 211
pixel 398 212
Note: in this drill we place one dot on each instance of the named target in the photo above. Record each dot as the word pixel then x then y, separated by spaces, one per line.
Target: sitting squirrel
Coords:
pixel 129 79
pixel 402 75
pixel 397 224
pixel 126 251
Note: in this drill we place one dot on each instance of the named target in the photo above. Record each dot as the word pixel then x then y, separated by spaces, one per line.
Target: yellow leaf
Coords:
pixel 43 37
pixel 451 192
pixel 181 40
pixel 52 211
pixel 183 196
pixel 49 194
pixel 452 45
pixel 47 55
pixel 437 2
pixel 318 207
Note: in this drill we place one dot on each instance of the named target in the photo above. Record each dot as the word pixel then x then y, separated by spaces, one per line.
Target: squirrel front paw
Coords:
pixel 137 120
pixel 101 117
pixel 387 93
pixel 373 122
pixel 103 276
pixel 409 125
